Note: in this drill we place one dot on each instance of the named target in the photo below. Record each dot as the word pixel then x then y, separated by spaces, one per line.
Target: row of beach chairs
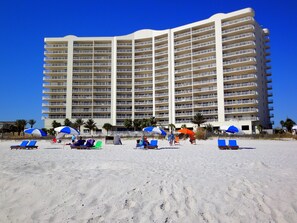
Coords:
pixel 88 145
pixel 26 144
pixel 232 144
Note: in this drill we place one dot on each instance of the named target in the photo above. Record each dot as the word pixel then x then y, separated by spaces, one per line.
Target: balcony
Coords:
pixel 205 97
pixel 240 77
pixel 245 44
pixel 246 36
pixel 240 93
pixel 237 21
pixel 204 37
pixel 240 110
pixel 240 69
pixel 205 29
pixel 239 29
pixel 249 52
pixel 241 102
pixel 249 60
pixel 206 104
pixel 205 89
pixel 241 85
pixel 52 52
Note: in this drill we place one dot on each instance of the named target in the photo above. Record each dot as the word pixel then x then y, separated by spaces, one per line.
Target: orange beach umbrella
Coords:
pixel 186 131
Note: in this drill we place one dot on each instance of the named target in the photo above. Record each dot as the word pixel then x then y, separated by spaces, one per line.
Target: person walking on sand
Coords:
pixel 73 138
pixel 171 139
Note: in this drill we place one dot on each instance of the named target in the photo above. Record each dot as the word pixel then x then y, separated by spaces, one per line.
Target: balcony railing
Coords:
pixel 249 18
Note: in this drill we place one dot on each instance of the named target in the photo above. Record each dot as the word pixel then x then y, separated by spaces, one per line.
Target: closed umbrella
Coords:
pixel 36 132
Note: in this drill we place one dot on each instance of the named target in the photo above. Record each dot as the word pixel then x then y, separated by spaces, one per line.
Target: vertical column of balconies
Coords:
pixel 204 71
pixel 195 73
pixel 143 78
pixel 82 76
pixel 102 80
pixel 268 75
pixel 124 81
pixel 55 80
pixel 183 76
pixel 162 80
pixel 240 71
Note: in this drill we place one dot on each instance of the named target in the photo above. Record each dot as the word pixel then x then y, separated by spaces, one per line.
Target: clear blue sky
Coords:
pixel 25 23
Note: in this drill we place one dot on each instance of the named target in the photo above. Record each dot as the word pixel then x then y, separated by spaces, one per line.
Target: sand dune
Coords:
pixel 185 183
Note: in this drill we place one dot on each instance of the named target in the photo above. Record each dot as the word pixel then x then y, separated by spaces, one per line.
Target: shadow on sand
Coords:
pixel 53 148
pixel 169 147
pixel 246 148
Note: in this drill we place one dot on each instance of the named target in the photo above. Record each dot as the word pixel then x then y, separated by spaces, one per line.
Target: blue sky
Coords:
pixel 25 24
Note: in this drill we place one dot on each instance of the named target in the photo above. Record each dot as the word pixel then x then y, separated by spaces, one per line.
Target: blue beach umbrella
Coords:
pixel 67 130
pixel 232 129
pixel 37 132
pixel 152 129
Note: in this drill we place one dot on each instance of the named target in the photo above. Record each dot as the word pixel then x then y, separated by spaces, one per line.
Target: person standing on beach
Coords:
pixel 171 139
pixel 73 138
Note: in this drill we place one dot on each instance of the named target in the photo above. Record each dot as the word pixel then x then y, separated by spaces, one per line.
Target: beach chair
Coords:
pixel 89 145
pixel 24 143
pixel 139 144
pixel 233 144
pixel 98 145
pixel 153 144
pixel 222 144
pixel 30 145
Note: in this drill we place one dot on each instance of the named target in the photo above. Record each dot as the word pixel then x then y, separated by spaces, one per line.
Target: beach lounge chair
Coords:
pixel 24 143
pixel 30 145
pixel 139 144
pixel 233 144
pixel 98 145
pixel 222 144
pixel 153 144
pixel 89 144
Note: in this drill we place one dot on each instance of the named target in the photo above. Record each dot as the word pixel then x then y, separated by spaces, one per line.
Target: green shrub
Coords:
pixel 201 134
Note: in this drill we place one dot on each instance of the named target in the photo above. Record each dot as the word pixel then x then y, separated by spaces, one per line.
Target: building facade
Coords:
pixel 218 67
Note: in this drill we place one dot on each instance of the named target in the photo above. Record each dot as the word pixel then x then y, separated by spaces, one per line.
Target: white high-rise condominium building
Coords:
pixel 218 67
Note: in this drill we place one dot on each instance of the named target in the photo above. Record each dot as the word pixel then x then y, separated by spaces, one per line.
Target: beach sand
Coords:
pixel 184 183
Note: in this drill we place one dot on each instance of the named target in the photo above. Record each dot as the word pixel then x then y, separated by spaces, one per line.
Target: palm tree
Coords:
pixel 152 121
pixel 78 123
pixel 183 126
pixel 128 123
pixel 136 124
pixel 198 119
pixel 260 128
pixel 20 124
pixel 56 124
pixel 67 122
pixel 282 123
pixel 171 127
pixel 209 128
pixel 31 122
pixel 289 123
pixel 145 122
pixel 90 124
pixel 107 127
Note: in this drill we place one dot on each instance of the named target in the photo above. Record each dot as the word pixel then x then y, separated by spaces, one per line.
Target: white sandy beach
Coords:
pixel 185 183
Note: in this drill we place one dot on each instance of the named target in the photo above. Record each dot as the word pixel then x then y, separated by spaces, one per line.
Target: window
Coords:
pixel 245 127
